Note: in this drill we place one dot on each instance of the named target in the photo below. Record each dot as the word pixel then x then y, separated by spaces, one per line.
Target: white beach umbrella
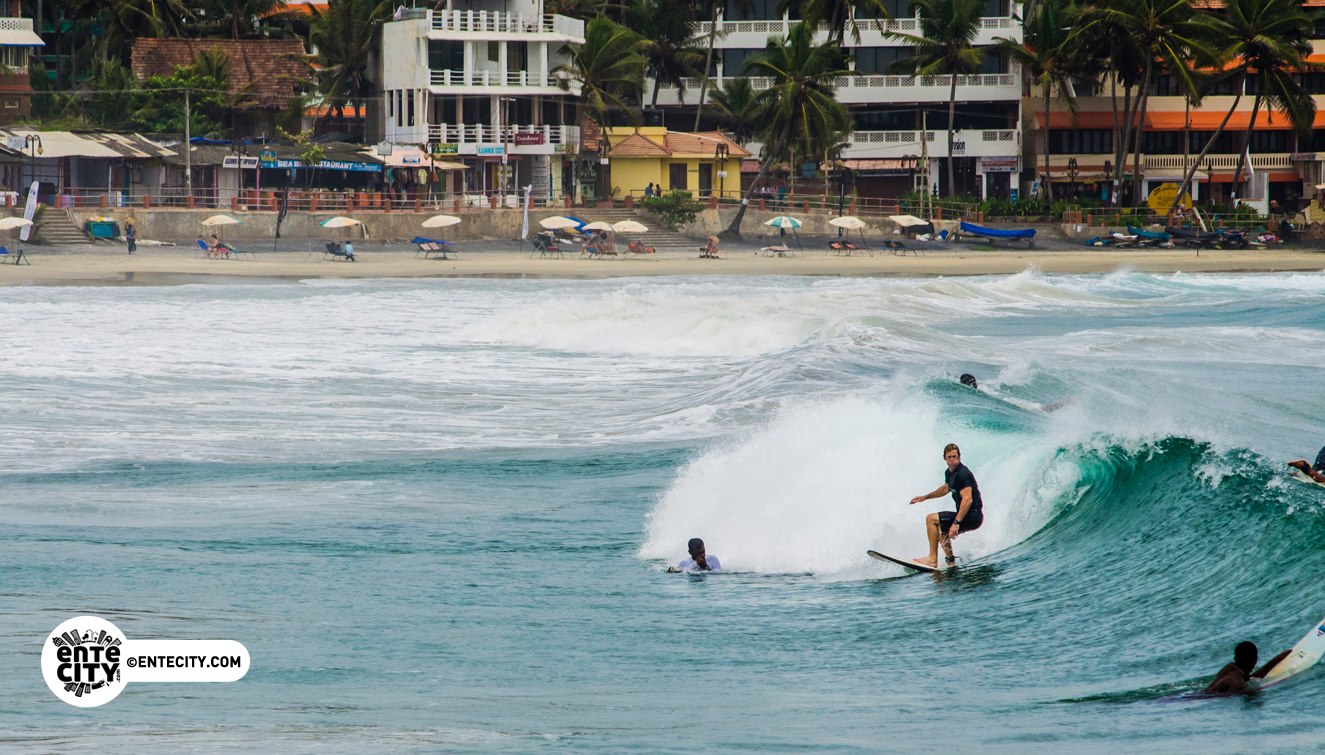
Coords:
pixel 441 221
pixel 8 224
pixel 599 226
pixel 340 221
pixel 850 222
pixel 220 220
pixel 629 226
pixel 558 222
pixel 906 221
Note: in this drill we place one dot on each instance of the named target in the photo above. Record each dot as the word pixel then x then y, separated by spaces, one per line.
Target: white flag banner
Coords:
pixel 29 211
pixel 528 200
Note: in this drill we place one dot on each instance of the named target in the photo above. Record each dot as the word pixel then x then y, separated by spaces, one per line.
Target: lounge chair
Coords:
pixel 639 247
pixel 17 257
pixel 899 247
pixel 545 243
pixel 335 251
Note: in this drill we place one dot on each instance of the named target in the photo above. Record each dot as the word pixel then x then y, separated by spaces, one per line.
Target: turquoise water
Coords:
pixel 437 512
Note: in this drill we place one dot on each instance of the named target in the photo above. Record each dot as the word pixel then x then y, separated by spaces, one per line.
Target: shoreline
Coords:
pixel 178 266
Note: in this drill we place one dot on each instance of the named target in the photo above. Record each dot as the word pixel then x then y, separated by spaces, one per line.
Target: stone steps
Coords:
pixel 58 229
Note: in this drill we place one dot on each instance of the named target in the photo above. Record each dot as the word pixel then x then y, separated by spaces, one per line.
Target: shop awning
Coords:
pixel 20 37
pixel 56 144
pixel 1177 120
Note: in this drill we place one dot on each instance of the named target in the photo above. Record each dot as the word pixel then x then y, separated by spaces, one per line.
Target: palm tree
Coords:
pixel 666 28
pixel 736 99
pixel 711 9
pixel 345 35
pixel 1050 60
pixel 1268 42
pixel 243 16
pixel 611 77
pixel 799 114
pixel 838 15
pixel 947 28
pixel 1158 36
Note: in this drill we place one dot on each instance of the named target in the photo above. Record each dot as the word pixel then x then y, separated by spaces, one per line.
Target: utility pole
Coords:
pixel 924 158
pixel 188 149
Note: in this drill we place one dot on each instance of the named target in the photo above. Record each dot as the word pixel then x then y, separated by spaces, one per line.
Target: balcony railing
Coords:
pixel 875 81
pixel 1271 161
pixel 506 23
pixel 452 78
pixel 897 144
pixel 452 133
pixel 866 25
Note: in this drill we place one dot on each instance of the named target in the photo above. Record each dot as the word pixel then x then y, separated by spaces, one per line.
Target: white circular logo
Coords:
pixel 81 661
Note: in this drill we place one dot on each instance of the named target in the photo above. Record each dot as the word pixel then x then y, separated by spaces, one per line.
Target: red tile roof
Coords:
pixel 702 143
pixel 637 145
pixel 264 73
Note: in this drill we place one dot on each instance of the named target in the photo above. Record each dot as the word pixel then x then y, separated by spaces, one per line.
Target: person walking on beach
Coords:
pixel 1235 677
pixel 131 236
pixel 943 526
pixel 698 561
pixel 1314 471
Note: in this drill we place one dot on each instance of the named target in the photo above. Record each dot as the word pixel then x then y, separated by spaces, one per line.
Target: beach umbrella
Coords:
pixel 220 220
pixel 907 221
pixel 441 221
pixel 599 226
pixel 560 222
pixel 9 224
pixel 850 222
pixel 340 221
pixel 782 223
pixel 629 226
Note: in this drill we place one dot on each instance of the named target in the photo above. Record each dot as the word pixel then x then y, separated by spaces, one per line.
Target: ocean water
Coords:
pixel 437 513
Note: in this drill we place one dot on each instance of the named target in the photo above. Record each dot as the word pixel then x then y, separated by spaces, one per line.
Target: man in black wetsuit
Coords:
pixel 1314 471
pixel 942 526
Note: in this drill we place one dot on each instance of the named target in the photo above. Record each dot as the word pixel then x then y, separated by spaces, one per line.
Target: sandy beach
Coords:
pixel 158 265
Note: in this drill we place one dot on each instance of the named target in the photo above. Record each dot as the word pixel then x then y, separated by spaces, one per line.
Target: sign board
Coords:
pixel 411 160
pixel 326 165
pixel 1297 157
pixel 808 169
pixel 16 143
pixel 446 149
pixel 528 137
pixel 242 163
pixel 999 164
pixel 248 162
pixel 29 211
pixel 1161 198
pixel 230 162
pixel 492 149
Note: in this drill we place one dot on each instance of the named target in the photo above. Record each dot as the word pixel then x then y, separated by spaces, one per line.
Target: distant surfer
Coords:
pixel 1314 471
pixel 698 561
pixel 968 380
pixel 1235 677
pixel 942 526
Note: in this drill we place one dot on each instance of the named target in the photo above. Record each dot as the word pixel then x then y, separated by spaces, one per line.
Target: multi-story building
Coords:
pixel 1284 166
pixel 892 113
pixel 18 42
pixel 480 86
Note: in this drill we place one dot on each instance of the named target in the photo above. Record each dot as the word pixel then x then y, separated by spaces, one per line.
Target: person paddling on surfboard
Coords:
pixel 1237 675
pixel 698 561
pixel 1314 471
pixel 942 526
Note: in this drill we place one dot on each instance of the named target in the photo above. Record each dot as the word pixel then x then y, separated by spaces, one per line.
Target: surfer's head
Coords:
pixel 953 455
pixel 1244 656
pixel 695 546
pixel 969 380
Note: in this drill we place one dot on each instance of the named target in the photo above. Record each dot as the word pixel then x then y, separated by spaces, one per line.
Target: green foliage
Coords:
pixel 675 208
pixel 345 36
pixel 161 102
pixel 666 29
pixel 738 108
pixel 608 68
pixel 111 97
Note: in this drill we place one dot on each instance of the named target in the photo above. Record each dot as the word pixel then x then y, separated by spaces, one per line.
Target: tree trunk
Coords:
pixel 952 108
pixel 733 232
pixel 708 63
pixel 1048 182
pixel 1143 102
pixel 1245 154
pixel 1191 171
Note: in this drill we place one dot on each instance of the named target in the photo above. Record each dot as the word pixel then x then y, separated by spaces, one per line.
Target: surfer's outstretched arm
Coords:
pixel 1303 466
pixel 1270 664
pixel 938 492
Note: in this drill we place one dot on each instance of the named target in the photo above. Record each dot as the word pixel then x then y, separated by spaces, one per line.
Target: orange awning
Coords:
pixel 1178 120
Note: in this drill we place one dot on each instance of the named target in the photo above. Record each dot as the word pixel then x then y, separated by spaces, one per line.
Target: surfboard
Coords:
pixel 903 562
pixel 1305 654
pixel 1301 476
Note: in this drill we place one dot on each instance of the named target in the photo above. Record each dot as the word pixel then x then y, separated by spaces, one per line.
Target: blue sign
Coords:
pixel 1012 194
pixel 325 165
pixel 490 149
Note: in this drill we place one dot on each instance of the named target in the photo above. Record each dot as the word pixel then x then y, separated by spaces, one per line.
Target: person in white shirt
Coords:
pixel 698 561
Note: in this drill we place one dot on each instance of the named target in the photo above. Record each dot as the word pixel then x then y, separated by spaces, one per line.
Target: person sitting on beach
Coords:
pixel 944 526
pixel 348 250
pixel 1314 471
pixel 710 249
pixel 1235 677
pixel 698 561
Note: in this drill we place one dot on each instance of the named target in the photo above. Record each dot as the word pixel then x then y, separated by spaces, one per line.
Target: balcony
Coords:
pixel 1272 161
pixel 873 32
pixel 495 23
pixel 535 140
pixel 867 88
pixel 899 144
pixel 534 82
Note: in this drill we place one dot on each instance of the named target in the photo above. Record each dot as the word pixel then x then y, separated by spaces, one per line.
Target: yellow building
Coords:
pixel 701 163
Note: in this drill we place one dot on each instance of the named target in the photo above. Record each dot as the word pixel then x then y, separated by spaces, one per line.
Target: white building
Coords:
pixel 886 108
pixel 479 86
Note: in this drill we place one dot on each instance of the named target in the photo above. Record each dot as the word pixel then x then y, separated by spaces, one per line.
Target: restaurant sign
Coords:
pixel 446 148
pixel 528 137
pixel 327 165
pixel 999 164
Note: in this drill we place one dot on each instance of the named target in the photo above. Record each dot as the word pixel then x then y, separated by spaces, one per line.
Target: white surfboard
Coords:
pixel 1301 476
pixel 1305 654
pixel 903 562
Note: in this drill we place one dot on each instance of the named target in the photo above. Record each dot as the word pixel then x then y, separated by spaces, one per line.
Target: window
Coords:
pixel 757 10
pixel 10 103
pixel 445 54
pixel 880 59
pixel 733 61
pixel 1081 141
pixel 494 52
pixel 410 96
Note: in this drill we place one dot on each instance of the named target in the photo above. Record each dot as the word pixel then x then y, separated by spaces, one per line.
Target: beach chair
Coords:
pixel 203 249
pixel 17 257
pixel 637 246
pixel 335 252
pixel 900 247
pixel 841 245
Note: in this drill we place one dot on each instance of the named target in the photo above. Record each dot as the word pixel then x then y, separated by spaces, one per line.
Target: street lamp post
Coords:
pixel 1072 172
pixel 1209 181
pixel 720 153
pixel 32 143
